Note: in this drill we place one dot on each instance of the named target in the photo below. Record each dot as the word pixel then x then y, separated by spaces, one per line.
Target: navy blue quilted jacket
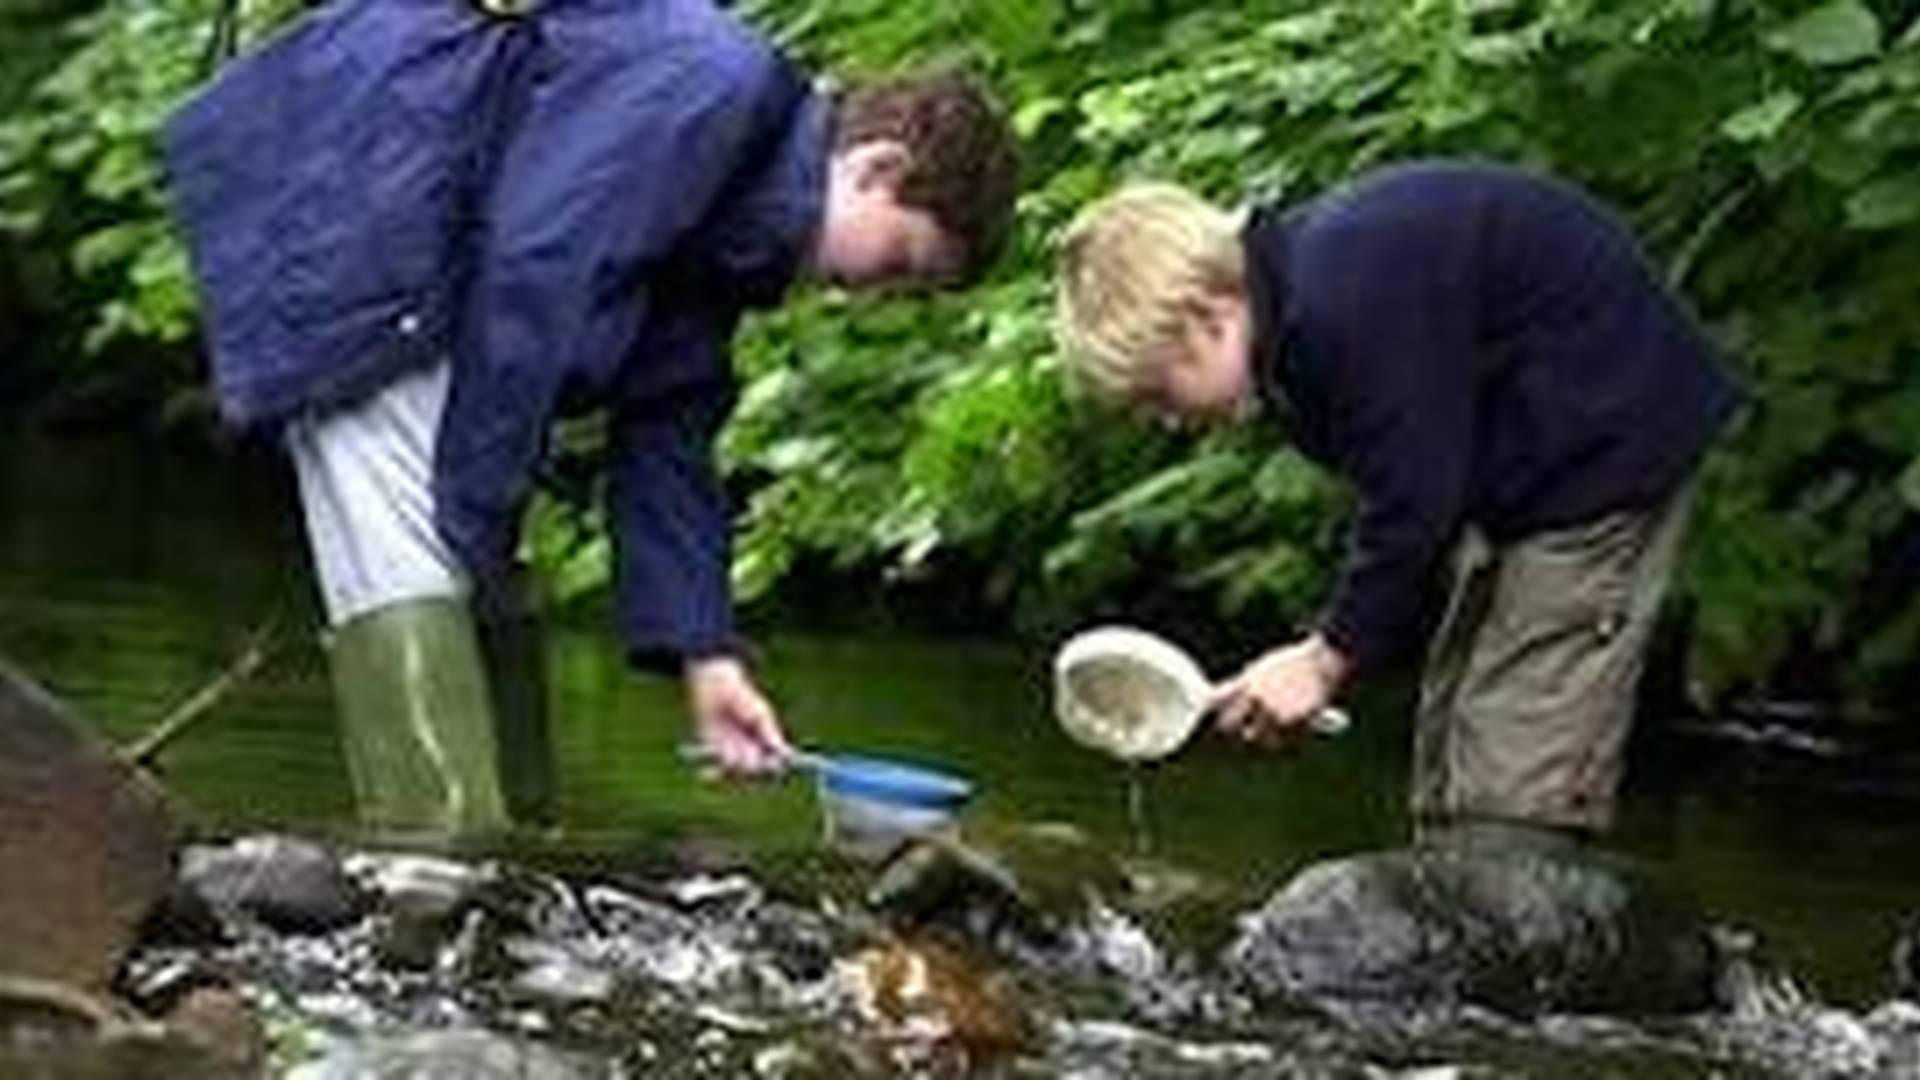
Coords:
pixel 575 206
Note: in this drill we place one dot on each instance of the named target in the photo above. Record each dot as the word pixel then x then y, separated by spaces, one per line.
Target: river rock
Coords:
pixel 1521 932
pixel 1032 879
pixel 220 1024
pixel 422 886
pixel 921 990
pixel 292 885
pixel 51 1030
pixel 469 1054
pixel 86 845
pixel 423 900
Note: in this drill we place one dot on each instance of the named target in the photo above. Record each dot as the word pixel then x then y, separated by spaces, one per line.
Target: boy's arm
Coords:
pixel 671 520
pixel 673 533
pixel 1400 382
pixel 611 165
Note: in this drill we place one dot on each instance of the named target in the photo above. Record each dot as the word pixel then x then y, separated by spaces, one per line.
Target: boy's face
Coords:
pixel 867 239
pixel 1209 380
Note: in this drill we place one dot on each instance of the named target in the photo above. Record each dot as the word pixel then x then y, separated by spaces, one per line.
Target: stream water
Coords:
pixel 129 576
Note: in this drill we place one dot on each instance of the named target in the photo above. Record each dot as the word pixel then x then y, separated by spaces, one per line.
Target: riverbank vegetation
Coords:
pixel 1767 152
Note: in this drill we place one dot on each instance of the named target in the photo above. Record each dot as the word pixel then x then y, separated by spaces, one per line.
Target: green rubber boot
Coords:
pixel 416 720
pixel 514 646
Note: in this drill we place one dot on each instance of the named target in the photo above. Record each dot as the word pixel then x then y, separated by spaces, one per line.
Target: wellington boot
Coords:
pixel 417 721
pixel 512 641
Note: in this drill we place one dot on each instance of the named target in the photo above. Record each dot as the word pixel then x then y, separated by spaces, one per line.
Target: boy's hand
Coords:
pixel 1272 700
pixel 732 719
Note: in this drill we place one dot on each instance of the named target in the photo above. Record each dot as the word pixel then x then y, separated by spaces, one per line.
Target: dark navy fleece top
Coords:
pixel 1476 344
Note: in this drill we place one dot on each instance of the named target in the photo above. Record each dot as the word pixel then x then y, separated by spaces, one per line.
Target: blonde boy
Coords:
pixel 1484 355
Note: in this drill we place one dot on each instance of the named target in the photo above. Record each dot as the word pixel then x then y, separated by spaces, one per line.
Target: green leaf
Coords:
pixel 1312 28
pixel 1762 119
pixel 1837 32
pixel 1886 203
pixel 1018 28
pixel 1891 124
pixel 1910 39
pixel 113 244
pixel 1032 115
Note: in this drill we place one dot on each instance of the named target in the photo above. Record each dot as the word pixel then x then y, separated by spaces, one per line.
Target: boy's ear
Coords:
pixel 879 162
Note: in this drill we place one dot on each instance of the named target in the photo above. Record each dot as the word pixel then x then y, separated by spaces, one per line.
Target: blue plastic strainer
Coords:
pixel 887 781
pixel 877 779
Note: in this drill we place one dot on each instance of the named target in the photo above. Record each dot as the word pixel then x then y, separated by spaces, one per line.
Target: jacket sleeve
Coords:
pixel 611 163
pixel 672 525
pixel 1399 384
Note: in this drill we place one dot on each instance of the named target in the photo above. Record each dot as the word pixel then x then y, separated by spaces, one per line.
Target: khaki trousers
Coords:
pixel 1530 680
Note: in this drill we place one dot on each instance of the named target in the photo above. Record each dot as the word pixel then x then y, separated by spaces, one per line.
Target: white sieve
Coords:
pixel 1137 696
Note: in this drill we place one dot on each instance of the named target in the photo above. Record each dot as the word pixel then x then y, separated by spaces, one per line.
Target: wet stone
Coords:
pixel 467 1054
pixel 553 974
pixel 1519 932
pixel 922 990
pixel 798 943
pixel 52 1030
pixel 221 1024
pixel 86 846
pixel 421 902
pixel 422 886
pixel 618 912
pixel 1026 882
pixel 292 885
pixel 183 917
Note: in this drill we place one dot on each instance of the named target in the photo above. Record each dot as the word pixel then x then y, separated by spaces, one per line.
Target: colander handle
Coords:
pixel 693 753
pixel 1332 720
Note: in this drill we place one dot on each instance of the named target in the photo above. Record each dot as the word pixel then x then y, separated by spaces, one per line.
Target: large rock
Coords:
pixel 1522 932
pixel 86 846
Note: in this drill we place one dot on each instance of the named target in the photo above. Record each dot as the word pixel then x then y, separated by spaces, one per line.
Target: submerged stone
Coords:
pixel 1524 932
pixel 292 885
pixel 86 846
pixel 1031 879
pixel 922 990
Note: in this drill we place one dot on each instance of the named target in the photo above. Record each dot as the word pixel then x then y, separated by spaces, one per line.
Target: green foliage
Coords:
pixel 78 163
pixel 1767 151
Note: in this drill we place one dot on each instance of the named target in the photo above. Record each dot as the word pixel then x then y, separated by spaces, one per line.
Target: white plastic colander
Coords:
pixel 1135 695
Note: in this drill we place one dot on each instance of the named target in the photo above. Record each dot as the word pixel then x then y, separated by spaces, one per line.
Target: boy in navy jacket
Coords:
pixel 424 229
pixel 1513 395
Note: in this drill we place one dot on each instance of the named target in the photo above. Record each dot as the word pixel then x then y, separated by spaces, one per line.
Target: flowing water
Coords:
pixel 129 576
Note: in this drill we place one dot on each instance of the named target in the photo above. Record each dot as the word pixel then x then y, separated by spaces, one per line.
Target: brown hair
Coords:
pixel 965 158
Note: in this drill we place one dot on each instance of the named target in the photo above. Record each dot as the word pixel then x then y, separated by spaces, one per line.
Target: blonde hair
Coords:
pixel 1128 265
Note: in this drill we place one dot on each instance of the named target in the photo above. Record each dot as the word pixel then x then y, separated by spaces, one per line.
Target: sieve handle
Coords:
pixel 1330 721
pixel 693 753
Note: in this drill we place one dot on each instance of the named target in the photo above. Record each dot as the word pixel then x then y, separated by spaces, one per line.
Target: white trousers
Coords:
pixel 366 486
